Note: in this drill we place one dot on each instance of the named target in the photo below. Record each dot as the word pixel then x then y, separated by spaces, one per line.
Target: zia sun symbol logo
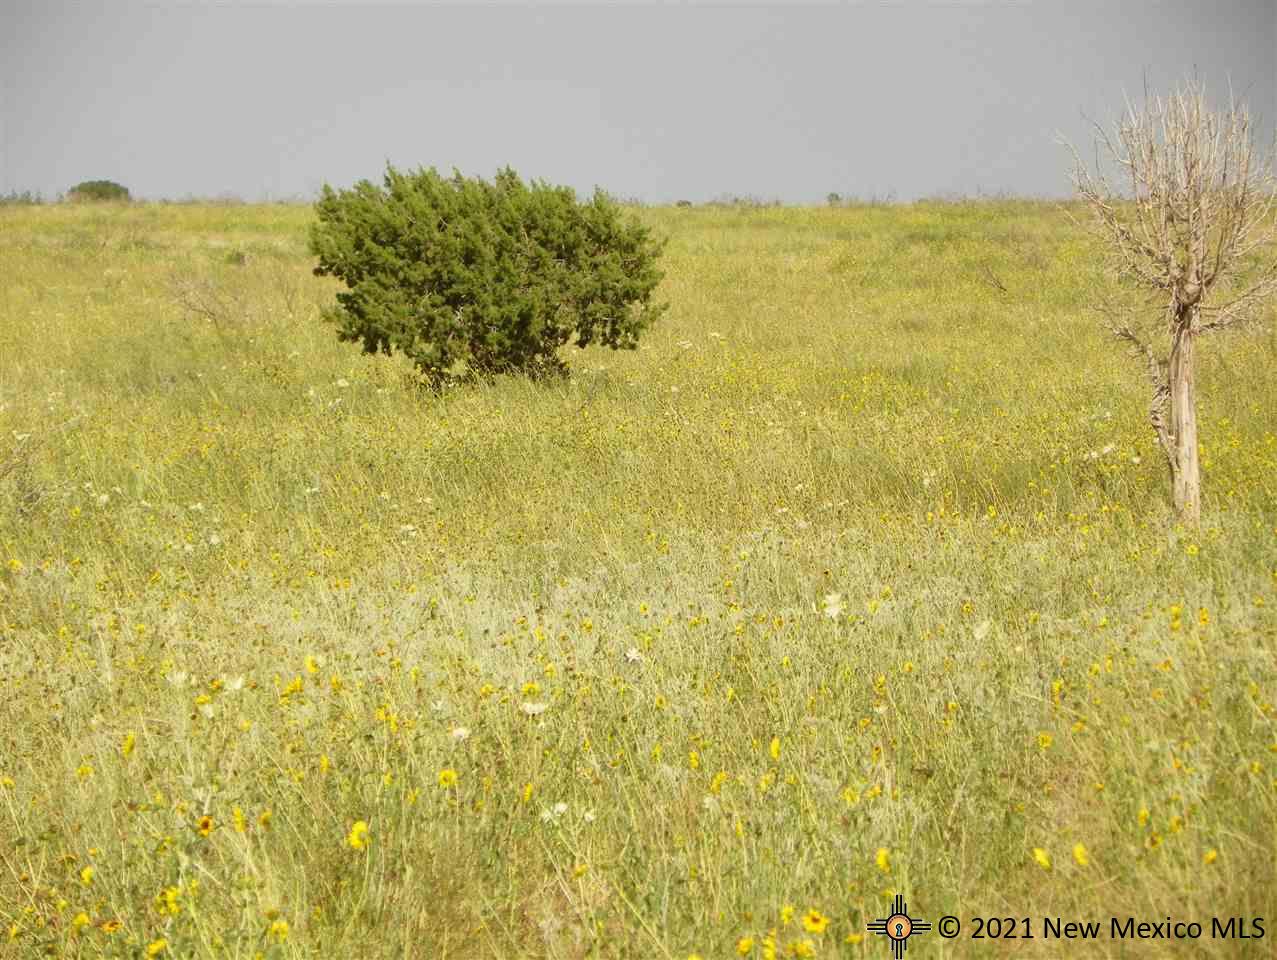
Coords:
pixel 899 927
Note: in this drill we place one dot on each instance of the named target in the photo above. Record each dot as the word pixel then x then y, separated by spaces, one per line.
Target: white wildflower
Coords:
pixel 553 813
pixel 532 709
pixel 834 605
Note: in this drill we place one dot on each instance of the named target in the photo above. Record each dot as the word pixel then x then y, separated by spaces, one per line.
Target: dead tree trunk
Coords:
pixel 1181 446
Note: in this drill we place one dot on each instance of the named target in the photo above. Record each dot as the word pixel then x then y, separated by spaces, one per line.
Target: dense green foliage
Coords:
pixel 99 190
pixel 466 276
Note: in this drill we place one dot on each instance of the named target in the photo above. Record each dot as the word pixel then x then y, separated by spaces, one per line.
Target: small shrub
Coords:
pixel 683 204
pixel 99 190
pixel 469 277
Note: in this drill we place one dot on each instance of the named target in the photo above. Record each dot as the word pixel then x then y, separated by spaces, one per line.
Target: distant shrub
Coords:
pixel 683 204
pixel 736 202
pixel 853 200
pixel 470 277
pixel 98 190
pixel 24 199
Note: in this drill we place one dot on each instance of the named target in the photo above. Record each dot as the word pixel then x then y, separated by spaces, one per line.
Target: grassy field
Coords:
pixel 857 578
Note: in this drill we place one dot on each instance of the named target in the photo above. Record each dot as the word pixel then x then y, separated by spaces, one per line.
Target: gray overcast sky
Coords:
pixel 655 101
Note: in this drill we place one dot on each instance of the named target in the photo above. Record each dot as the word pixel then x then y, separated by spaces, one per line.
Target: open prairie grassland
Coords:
pixel 857 578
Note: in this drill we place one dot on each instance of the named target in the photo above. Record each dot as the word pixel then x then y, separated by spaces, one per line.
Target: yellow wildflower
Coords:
pixel 814 921
pixel 358 838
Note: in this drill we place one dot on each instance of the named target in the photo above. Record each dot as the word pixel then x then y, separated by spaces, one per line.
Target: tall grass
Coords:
pixel 857 578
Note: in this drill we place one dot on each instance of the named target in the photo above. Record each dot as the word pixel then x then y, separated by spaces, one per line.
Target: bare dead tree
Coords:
pixel 202 297
pixel 1190 231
